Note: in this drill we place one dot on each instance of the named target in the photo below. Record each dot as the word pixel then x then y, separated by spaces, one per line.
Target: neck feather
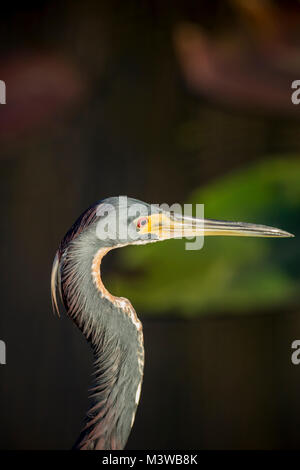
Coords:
pixel 111 326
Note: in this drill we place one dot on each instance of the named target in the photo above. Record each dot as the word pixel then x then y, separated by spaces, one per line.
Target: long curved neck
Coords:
pixel 111 326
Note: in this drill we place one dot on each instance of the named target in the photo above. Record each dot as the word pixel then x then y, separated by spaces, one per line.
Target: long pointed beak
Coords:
pixel 178 226
pixel 218 227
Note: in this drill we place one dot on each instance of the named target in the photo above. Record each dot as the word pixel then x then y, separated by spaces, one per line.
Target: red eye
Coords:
pixel 141 222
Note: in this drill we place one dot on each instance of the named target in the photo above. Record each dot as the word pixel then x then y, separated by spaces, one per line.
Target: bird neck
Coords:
pixel 111 326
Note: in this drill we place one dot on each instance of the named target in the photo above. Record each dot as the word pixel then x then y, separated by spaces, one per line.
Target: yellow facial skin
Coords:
pixel 158 224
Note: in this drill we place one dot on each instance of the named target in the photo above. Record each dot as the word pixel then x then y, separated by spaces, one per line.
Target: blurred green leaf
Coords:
pixel 228 274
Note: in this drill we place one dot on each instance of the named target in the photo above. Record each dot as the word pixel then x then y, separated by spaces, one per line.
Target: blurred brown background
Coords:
pixel 159 101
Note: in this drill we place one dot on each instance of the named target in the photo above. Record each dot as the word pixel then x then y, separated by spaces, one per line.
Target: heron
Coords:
pixel 110 323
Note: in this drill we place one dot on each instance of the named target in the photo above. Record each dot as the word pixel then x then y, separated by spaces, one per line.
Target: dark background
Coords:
pixel 154 100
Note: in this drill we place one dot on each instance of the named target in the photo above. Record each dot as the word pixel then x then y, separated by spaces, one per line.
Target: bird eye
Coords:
pixel 141 222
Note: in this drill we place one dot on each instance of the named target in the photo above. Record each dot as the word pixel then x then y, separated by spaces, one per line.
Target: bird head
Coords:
pixel 124 221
